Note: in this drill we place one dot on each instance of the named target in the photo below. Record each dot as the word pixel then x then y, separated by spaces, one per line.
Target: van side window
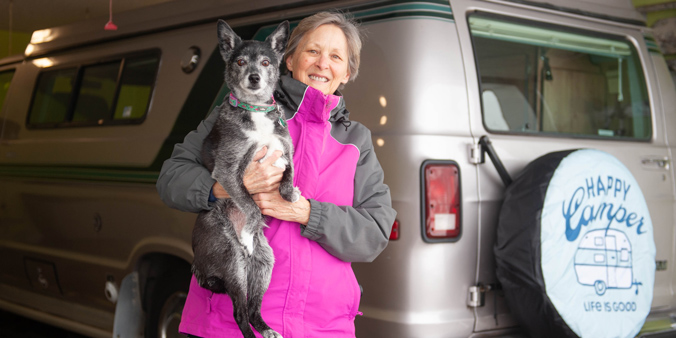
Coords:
pixel 52 97
pixel 5 80
pixel 112 92
pixel 544 79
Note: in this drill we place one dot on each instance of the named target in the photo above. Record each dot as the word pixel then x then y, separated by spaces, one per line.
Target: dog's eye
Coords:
pixel 265 63
pixel 241 62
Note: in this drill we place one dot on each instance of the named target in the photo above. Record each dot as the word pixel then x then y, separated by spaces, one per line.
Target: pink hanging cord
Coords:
pixel 110 26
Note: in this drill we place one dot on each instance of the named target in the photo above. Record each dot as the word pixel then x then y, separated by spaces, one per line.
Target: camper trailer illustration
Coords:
pixel 603 260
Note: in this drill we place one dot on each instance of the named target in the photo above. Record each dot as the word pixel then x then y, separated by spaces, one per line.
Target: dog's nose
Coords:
pixel 254 78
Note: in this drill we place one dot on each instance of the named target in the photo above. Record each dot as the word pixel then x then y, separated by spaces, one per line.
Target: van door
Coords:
pixel 539 82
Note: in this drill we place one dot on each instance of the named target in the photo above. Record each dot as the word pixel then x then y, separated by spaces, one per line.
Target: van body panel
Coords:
pixel 403 139
pixel 110 145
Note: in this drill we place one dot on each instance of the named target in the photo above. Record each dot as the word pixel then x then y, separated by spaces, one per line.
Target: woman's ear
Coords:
pixel 347 78
pixel 289 63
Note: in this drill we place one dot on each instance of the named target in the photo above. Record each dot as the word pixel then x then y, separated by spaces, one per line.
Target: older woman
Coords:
pixel 345 212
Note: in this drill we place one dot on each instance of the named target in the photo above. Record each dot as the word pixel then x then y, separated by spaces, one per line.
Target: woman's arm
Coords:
pixel 185 184
pixel 357 233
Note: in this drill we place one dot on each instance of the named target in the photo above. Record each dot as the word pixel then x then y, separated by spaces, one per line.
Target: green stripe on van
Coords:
pixel 382 11
pixel 79 173
pixel 651 43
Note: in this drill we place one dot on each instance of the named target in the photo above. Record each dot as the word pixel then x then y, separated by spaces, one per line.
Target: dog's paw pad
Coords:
pixel 271 334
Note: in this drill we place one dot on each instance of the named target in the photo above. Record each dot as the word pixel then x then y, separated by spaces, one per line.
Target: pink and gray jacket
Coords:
pixel 313 291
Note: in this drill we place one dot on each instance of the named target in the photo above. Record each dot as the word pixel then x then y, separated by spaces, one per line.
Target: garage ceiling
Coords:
pixel 29 15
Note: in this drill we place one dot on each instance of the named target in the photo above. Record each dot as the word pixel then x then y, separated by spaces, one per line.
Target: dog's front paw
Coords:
pixel 295 196
pixel 271 334
pixel 290 193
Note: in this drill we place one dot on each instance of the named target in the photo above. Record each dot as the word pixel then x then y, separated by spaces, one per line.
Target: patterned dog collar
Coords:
pixel 252 107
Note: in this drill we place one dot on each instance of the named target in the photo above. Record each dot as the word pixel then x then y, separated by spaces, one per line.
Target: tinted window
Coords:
pixel 96 92
pixel 538 79
pixel 52 96
pixel 135 87
pixel 5 79
pixel 113 92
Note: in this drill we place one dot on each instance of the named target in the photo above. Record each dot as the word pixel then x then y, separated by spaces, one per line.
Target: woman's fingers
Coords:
pixel 263 176
pixel 272 204
pixel 259 155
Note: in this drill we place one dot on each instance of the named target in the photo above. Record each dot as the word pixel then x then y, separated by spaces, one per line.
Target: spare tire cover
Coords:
pixel 574 250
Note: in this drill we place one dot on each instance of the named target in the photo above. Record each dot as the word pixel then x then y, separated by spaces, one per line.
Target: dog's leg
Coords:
pixel 286 188
pixel 233 184
pixel 259 274
pixel 236 286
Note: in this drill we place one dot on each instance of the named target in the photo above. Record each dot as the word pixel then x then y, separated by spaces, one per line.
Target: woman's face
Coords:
pixel 321 59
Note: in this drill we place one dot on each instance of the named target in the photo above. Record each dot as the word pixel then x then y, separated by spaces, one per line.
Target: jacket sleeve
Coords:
pixel 184 183
pixel 357 233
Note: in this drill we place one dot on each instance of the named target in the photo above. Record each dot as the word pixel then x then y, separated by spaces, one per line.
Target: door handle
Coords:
pixel 657 162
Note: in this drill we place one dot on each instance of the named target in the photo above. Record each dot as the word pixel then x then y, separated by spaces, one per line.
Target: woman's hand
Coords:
pixel 272 204
pixel 258 176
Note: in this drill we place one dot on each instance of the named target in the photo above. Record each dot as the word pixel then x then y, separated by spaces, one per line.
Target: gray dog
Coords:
pixel 231 253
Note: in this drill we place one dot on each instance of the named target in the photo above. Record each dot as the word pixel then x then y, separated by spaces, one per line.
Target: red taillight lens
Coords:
pixel 394 235
pixel 442 201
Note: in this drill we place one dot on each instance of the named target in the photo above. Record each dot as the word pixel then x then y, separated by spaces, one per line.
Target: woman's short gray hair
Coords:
pixel 343 21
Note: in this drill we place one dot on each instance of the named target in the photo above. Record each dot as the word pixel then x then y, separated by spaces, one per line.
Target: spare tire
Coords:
pixel 574 250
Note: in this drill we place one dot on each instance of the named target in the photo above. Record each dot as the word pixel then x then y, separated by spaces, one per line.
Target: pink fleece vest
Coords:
pixel 312 293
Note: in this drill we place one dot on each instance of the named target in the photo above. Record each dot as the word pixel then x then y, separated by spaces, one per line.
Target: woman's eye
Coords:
pixel 312 51
pixel 337 57
pixel 265 63
pixel 241 62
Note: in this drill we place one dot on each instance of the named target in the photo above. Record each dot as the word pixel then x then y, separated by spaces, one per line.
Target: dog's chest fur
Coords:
pixel 263 131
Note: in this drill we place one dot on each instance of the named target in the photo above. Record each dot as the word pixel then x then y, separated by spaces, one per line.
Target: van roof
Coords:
pixel 176 14
pixel 615 10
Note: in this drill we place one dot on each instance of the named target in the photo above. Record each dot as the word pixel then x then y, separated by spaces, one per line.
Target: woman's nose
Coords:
pixel 323 61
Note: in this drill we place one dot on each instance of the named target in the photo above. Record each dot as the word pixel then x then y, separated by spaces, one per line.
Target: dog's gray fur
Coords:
pixel 231 253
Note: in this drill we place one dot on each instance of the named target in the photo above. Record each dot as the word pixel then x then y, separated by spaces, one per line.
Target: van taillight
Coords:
pixel 441 201
pixel 394 235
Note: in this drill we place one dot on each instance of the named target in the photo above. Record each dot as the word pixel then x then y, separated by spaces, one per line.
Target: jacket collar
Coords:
pixel 290 93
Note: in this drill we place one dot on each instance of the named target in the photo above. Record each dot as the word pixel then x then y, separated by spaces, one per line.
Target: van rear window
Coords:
pixel 545 79
pixel 113 92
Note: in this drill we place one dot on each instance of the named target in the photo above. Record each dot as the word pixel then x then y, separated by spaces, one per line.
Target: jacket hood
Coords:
pixel 290 93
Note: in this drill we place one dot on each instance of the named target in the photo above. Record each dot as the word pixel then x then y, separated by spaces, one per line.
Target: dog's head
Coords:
pixel 252 67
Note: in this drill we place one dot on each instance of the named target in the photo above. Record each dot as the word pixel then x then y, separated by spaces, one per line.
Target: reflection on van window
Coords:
pixel 551 80
pixel 117 91
pixel 52 96
pixel 5 79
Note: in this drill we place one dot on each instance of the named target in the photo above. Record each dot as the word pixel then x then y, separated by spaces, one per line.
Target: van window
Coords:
pixel 5 79
pixel 552 80
pixel 113 92
pixel 96 92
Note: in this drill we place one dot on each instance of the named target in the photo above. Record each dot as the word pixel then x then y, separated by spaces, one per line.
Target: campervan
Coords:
pixel 603 260
pixel 88 116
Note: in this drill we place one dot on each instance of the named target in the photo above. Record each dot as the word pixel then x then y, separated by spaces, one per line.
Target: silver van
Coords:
pixel 88 116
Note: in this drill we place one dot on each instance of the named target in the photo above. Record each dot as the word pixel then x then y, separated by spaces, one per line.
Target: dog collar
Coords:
pixel 252 107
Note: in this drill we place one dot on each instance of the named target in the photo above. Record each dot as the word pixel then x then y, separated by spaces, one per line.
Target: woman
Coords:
pixel 345 212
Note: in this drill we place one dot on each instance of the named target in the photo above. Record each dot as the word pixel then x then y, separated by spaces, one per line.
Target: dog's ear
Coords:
pixel 227 39
pixel 278 39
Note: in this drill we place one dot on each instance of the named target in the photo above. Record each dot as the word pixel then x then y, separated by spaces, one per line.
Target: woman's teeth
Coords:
pixel 317 78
